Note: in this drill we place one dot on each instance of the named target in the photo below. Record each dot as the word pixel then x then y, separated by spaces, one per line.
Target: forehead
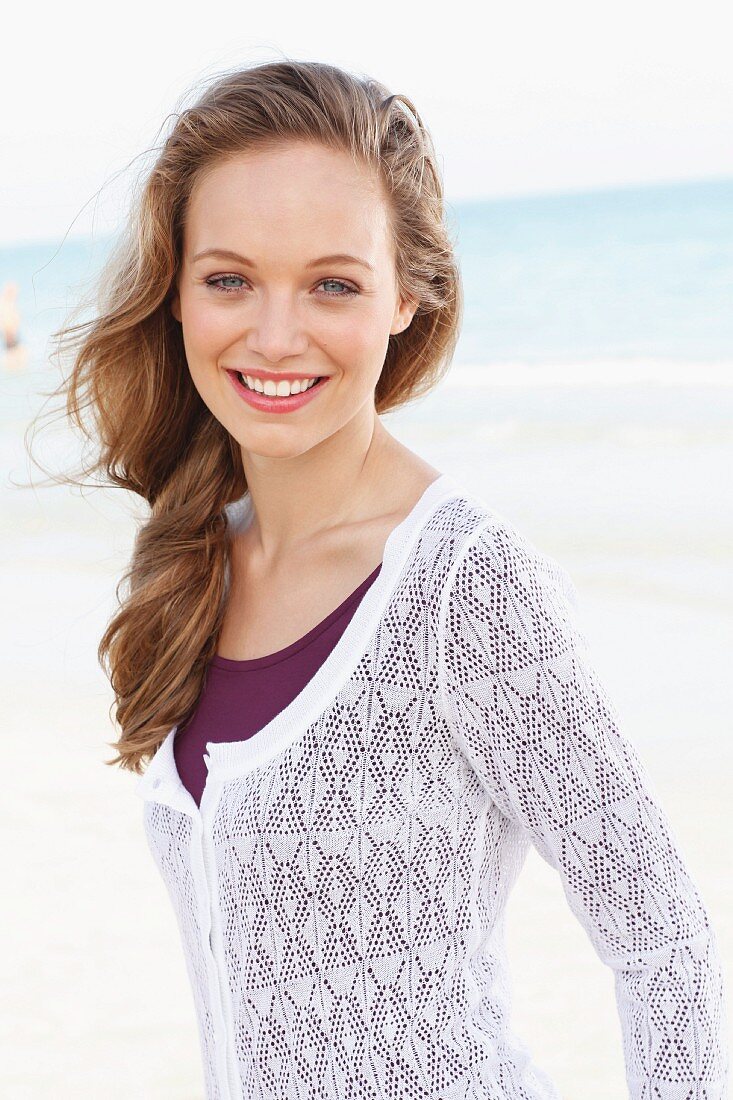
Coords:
pixel 295 196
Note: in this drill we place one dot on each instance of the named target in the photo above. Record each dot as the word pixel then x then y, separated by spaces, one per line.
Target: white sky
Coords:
pixel 547 95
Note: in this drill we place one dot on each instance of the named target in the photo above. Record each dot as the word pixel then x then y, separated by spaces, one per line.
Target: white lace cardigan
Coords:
pixel 341 891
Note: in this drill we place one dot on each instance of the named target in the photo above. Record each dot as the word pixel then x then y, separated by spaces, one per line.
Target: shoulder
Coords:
pixel 496 574
pixel 501 553
pixel 474 539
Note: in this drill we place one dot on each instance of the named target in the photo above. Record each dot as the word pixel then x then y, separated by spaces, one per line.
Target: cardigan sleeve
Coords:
pixel 533 720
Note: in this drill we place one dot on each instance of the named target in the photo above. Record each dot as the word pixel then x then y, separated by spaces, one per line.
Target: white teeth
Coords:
pixel 281 389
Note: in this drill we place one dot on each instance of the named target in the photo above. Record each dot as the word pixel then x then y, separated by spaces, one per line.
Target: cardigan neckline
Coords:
pixel 225 760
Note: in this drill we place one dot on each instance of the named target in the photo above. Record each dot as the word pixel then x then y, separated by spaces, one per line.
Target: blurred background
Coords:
pixel 587 153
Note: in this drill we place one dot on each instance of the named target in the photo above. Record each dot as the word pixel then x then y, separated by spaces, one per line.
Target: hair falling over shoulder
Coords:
pixel 129 391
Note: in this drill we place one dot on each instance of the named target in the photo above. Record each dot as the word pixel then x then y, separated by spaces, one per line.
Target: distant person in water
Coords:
pixel 9 316
pixel 10 325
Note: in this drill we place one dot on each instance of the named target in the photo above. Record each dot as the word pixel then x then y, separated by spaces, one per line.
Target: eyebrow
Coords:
pixel 336 258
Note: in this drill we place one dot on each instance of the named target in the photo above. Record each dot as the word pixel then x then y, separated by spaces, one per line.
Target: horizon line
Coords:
pixel 465 201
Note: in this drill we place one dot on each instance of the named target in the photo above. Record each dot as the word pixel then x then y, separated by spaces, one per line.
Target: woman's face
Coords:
pixel 258 293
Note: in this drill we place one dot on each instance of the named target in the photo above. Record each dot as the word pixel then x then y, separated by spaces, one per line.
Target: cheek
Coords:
pixel 358 343
pixel 205 330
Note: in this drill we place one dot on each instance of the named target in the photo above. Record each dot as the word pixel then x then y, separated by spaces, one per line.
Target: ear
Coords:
pixel 175 303
pixel 403 315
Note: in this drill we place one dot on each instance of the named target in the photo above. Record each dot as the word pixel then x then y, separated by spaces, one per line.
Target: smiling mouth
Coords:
pixel 283 388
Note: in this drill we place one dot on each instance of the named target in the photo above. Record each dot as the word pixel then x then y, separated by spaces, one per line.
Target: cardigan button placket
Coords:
pixel 227 1069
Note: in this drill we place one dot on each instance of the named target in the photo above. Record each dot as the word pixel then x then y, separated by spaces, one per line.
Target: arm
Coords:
pixel 533 720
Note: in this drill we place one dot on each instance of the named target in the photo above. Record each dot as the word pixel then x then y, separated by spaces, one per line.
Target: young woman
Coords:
pixel 359 691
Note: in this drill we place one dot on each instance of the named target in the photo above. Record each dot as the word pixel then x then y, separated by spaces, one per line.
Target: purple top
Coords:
pixel 240 697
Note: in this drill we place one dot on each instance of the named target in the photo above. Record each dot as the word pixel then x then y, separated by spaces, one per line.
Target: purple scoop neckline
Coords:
pixel 230 665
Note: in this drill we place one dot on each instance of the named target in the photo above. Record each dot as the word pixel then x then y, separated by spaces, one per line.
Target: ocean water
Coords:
pixel 613 274
pixel 599 275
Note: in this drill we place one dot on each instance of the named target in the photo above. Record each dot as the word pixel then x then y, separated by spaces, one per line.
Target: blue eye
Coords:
pixel 348 289
pixel 224 289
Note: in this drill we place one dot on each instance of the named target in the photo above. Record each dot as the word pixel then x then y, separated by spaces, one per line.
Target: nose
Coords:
pixel 275 329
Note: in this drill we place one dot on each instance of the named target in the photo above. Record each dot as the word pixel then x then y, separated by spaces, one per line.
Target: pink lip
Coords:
pixel 275 404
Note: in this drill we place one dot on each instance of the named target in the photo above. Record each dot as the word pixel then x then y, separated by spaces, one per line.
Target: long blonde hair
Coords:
pixel 149 429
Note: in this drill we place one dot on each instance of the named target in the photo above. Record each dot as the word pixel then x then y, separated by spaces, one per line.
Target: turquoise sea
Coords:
pixel 613 274
pixel 605 274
